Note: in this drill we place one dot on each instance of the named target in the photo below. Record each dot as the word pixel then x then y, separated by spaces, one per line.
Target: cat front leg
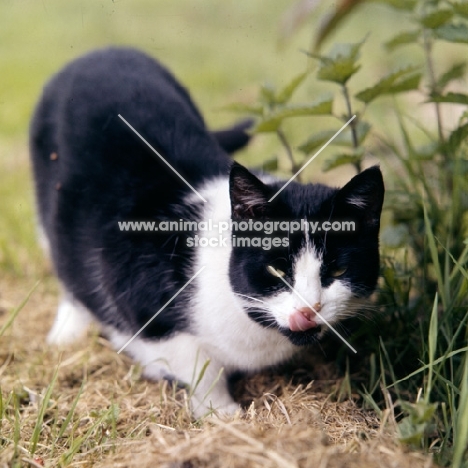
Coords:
pixel 183 359
pixel 71 322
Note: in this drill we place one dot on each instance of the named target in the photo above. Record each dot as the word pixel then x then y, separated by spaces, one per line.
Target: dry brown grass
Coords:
pixel 121 420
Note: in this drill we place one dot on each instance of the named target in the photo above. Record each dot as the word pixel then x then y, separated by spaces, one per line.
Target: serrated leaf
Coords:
pixel 460 9
pixel 256 109
pixel 413 428
pixel 406 84
pixel 338 72
pixel 403 38
pixel 407 5
pixel 268 93
pixel 453 33
pixel 384 86
pixel 455 72
pixel 316 140
pixel 437 18
pixel 409 433
pixel 343 158
pixel 419 412
pixel 340 64
pixel 322 106
pixel 454 98
pixel 285 94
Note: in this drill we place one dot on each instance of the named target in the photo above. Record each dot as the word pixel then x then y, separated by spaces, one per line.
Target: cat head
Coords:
pixel 300 280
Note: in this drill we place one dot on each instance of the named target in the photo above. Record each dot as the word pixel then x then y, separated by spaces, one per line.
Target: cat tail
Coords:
pixel 234 138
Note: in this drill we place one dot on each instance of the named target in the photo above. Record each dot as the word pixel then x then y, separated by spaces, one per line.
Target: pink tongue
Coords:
pixel 302 320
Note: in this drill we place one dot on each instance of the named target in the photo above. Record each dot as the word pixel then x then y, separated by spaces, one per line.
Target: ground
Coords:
pixel 100 412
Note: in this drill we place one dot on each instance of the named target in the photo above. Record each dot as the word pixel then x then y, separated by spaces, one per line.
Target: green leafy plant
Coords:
pixel 338 67
pixel 424 290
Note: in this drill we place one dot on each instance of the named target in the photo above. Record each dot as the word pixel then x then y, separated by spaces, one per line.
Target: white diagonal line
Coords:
pixel 321 316
pixel 162 159
pixel 312 158
pixel 160 310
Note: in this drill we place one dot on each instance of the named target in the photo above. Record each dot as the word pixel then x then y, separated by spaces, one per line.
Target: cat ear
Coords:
pixel 249 195
pixel 363 195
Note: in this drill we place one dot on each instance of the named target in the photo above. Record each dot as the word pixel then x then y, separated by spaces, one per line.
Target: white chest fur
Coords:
pixel 220 322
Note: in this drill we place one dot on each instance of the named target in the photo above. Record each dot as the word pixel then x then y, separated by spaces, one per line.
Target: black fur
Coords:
pixel 104 173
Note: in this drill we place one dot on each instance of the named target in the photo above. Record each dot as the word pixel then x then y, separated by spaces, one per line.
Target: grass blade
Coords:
pixel 40 417
pixel 423 368
pixel 432 341
pixel 79 441
pixel 17 310
pixel 65 424
pixel 434 256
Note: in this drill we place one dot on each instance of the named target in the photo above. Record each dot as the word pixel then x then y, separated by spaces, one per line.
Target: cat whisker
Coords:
pixel 344 313
pixel 266 308
pixel 251 298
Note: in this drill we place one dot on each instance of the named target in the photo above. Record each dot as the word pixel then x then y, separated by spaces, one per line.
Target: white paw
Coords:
pixel 71 323
pixel 228 411
pixel 221 411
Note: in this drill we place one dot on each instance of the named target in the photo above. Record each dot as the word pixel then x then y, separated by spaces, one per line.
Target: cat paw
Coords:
pixel 223 412
pixel 227 412
pixel 71 323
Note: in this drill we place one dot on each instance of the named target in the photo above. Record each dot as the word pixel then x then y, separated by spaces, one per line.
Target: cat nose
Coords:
pixel 311 312
pixel 307 311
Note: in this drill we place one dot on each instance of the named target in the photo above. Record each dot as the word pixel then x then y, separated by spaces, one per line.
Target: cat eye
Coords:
pixel 337 272
pixel 275 272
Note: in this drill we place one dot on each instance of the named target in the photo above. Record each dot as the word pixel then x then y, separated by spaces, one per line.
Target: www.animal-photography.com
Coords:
pixel 234 234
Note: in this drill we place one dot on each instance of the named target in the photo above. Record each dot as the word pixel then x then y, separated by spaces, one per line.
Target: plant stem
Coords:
pixel 433 83
pixel 287 147
pixel 354 135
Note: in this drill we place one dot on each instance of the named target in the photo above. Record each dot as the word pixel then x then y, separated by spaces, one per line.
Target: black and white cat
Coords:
pixel 248 306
